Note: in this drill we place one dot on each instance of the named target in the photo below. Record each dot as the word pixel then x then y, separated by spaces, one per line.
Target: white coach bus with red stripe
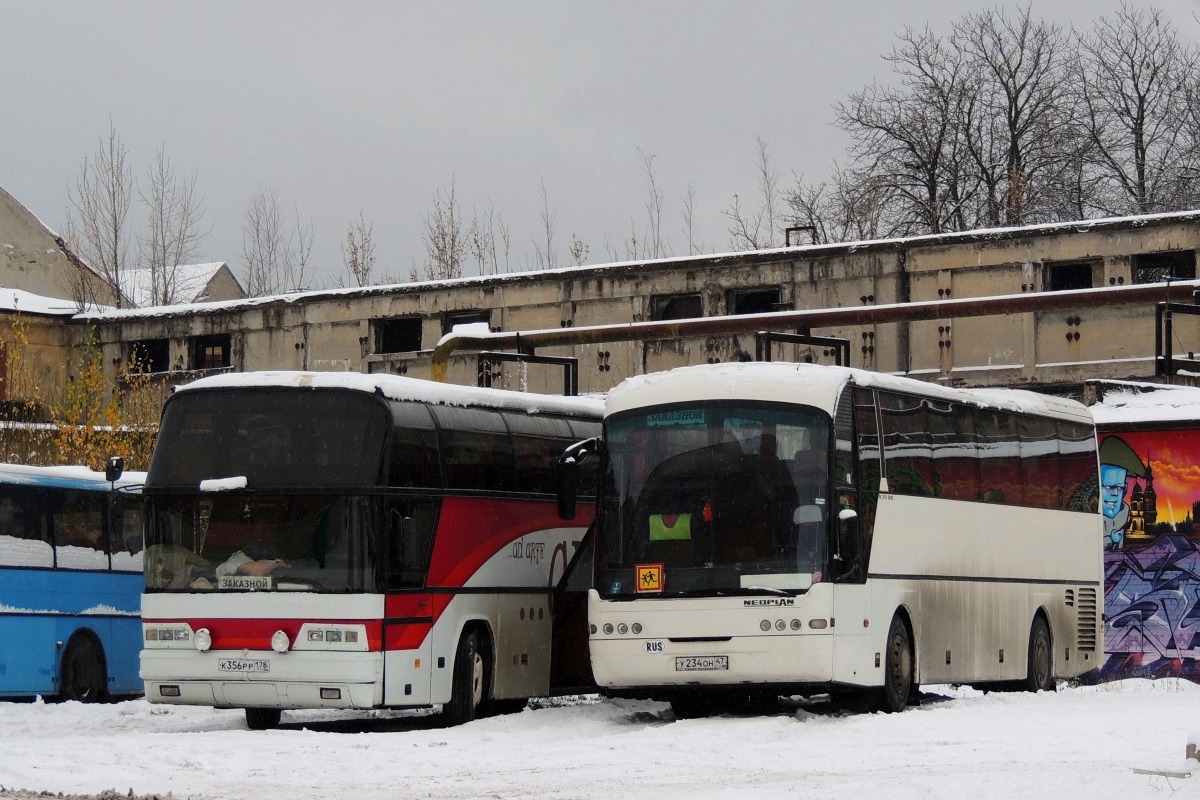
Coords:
pixel 322 540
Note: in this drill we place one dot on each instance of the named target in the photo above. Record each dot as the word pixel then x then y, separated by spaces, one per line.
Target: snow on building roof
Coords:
pixel 800 251
pixel 1135 403
pixel 20 301
pixel 190 282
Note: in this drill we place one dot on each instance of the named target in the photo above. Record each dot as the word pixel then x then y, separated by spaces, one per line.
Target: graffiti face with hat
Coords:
pixel 1118 463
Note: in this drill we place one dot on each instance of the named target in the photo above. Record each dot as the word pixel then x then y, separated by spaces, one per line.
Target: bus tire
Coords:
pixel 262 719
pixel 1040 675
pixel 499 708
pixel 692 705
pixel 897 690
pixel 82 674
pixel 468 692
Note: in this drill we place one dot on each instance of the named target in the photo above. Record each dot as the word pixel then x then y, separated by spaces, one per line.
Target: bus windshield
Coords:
pixel 715 499
pixel 267 489
pixel 253 542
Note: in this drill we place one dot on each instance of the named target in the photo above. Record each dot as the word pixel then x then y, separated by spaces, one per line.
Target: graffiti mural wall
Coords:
pixel 1150 496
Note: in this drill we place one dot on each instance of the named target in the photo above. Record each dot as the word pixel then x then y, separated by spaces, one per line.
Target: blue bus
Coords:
pixel 70 582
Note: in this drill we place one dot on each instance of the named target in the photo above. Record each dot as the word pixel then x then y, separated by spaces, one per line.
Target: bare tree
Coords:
pixel 175 214
pixel 850 206
pixel 358 252
pixel 275 258
pixel 1020 131
pixel 298 277
pixel 905 139
pixel 578 250
pixel 488 240
pixel 1135 80
pixel 102 196
pixel 446 238
pixel 543 250
pixel 688 210
pixel 653 245
pixel 757 228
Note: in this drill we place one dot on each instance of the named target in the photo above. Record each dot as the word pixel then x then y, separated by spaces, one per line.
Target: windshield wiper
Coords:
pixel 767 590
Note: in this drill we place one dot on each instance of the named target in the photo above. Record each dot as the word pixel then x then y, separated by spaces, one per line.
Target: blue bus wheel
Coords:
pixel 82 675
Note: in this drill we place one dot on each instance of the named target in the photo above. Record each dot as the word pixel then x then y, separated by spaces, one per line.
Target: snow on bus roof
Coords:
pixel 821 383
pixel 64 475
pixel 1128 402
pixel 398 387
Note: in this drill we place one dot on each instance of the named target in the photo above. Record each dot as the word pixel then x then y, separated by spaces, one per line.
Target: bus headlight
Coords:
pixel 203 640
pixel 160 635
pixel 326 636
pixel 280 642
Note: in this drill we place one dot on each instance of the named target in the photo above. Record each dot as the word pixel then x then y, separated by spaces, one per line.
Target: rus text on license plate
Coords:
pixel 700 663
pixel 244 665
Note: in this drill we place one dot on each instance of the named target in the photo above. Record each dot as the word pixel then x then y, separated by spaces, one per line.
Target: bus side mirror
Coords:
pixel 567 485
pixel 114 468
pixel 408 537
pixel 566 475
pixel 404 528
pixel 116 515
pixel 847 536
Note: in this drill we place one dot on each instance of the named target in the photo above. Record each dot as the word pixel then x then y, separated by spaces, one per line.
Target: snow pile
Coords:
pixel 1122 740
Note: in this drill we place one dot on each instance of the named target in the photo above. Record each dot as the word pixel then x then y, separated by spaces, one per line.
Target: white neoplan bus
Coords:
pixel 768 529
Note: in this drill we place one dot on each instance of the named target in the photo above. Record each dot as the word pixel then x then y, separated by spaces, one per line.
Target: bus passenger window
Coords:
pixel 24 536
pixel 78 527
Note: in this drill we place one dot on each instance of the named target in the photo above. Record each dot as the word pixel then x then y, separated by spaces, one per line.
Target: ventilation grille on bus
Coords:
pixel 1085 609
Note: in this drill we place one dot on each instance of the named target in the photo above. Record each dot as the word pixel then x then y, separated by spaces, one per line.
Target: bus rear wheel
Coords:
pixel 82 674
pixel 898 668
pixel 692 706
pixel 468 692
pixel 1040 675
pixel 262 719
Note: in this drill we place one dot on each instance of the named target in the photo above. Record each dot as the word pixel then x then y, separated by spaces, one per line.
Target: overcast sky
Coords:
pixel 375 106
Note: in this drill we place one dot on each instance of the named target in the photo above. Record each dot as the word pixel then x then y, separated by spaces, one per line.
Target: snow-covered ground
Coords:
pixel 1122 740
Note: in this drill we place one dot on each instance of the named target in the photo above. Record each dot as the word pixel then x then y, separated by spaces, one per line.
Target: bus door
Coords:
pixel 409 612
pixel 570 660
pixel 856 482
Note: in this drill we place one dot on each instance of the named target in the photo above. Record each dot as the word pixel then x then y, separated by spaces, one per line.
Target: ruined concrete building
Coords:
pixel 1043 307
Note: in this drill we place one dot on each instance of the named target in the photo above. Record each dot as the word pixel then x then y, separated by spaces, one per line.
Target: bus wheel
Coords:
pixel 898 668
pixel 1040 677
pixel 467 693
pixel 262 719
pixel 82 675
pixel 497 708
pixel 691 706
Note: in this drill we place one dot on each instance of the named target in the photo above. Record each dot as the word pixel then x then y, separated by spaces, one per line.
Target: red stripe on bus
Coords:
pixel 406 636
pixel 407 605
pixel 473 529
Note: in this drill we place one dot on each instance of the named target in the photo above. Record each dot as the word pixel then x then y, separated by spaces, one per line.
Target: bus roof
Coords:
pixel 65 477
pixel 397 387
pixel 815 385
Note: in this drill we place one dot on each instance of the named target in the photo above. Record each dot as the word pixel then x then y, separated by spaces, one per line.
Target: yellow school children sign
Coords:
pixel 649 577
